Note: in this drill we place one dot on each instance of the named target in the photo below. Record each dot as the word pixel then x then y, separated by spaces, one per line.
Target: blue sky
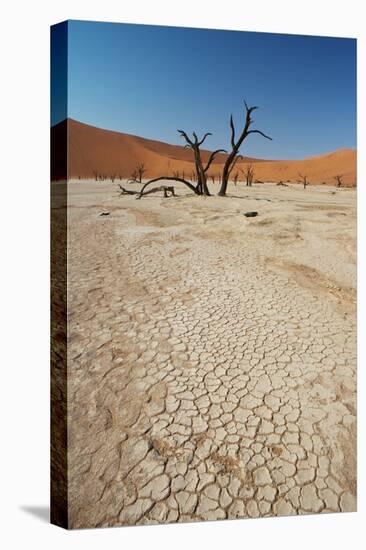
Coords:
pixel 149 81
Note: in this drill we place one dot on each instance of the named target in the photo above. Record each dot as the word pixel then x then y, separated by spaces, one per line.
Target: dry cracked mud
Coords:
pixel 211 357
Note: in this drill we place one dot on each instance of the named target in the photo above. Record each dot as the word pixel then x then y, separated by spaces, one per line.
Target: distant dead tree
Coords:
pixel 138 173
pixel 213 178
pixel 339 180
pixel 235 178
pixel 303 180
pixel 235 146
pixel 133 176
pixel 113 177
pixel 176 173
pixel 99 176
pixel 249 175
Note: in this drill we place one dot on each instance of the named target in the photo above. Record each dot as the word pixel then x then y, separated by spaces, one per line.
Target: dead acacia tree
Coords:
pixel 141 171
pixel 339 180
pixel 133 176
pixel 304 180
pixel 201 170
pixel 235 146
pixel 249 175
pixel 235 179
pixel 138 173
pixel 199 176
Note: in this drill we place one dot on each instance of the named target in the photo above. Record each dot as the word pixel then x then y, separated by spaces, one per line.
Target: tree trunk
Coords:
pixel 225 176
pixel 235 147
pixel 201 171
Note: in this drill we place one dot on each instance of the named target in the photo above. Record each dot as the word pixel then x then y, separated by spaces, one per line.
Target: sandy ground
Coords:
pixel 211 356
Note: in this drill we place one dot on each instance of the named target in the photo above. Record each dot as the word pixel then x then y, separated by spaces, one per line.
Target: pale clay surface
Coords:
pixel 211 357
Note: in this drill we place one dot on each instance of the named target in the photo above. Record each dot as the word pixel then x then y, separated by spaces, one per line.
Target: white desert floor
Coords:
pixel 212 369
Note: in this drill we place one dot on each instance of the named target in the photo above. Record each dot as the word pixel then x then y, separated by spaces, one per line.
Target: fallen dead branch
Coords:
pixel 168 191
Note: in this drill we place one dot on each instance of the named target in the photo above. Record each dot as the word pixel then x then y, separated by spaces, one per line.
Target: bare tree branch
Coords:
pixel 183 134
pixel 232 131
pixel 166 190
pixel 235 161
pixel 169 178
pixel 201 177
pixel 259 132
pixel 204 137
pixel 211 158
pixel 236 144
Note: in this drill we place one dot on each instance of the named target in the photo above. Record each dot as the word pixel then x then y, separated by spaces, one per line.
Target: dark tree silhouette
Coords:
pixel 167 191
pixel 201 170
pixel 138 173
pixel 134 176
pixel 304 180
pixel 170 178
pixel 339 180
pixel 235 146
pixel 249 175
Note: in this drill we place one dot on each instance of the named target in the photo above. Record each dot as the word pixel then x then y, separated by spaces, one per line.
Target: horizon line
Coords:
pixel 329 152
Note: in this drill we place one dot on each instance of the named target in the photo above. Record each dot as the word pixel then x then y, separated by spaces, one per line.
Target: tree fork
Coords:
pixel 235 146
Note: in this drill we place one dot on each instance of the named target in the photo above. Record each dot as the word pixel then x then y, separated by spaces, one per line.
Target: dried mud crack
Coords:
pixel 202 384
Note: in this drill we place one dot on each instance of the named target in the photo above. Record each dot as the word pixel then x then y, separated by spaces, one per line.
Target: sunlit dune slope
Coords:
pixel 93 151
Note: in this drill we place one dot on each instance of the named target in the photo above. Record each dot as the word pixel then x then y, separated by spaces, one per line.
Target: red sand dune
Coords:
pixel 94 151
